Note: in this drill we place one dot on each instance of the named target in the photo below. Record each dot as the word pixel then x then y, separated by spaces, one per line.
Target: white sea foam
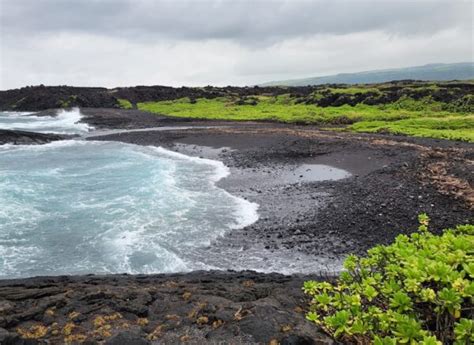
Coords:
pixel 246 212
pixel 221 170
pixel 64 122
pixel 16 113
pixel 43 147
pixel 105 207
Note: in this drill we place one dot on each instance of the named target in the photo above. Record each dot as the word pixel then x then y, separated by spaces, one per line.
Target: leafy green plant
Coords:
pixel 418 290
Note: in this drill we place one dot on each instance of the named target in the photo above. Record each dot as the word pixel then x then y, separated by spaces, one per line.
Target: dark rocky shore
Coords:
pixel 36 98
pixel 393 179
pixel 27 138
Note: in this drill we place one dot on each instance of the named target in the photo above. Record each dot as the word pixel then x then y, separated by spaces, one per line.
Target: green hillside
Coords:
pixel 432 72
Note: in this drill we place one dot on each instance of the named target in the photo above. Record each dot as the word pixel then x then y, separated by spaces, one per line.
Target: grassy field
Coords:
pixel 421 118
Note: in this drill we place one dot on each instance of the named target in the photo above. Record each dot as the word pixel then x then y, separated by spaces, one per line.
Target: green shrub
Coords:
pixel 67 103
pixel 464 104
pixel 426 104
pixel 418 290
pixel 124 103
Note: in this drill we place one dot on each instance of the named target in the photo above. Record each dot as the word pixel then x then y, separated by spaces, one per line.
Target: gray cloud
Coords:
pixel 242 21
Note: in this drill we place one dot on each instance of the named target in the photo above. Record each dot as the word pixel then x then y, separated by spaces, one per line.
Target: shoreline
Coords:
pixel 393 179
pixel 262 159
pixel 236 243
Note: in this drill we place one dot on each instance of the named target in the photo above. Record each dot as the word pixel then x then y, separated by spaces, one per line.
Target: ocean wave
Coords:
pixel 64 122
pixel 110 207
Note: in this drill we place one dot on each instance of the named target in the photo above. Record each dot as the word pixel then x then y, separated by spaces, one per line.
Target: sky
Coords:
pixel 115 43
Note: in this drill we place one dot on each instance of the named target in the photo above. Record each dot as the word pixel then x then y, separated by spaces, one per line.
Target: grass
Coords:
pixel 423 118
pixel 124 103
pixel 451 127
pixel 353 90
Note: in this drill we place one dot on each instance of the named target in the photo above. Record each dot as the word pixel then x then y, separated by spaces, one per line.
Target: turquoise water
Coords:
pixel 106 207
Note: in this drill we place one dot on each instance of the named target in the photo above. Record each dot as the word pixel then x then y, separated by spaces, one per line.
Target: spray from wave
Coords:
pixel 63 122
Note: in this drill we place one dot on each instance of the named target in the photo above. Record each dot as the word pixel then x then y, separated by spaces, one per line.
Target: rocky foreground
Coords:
pixel 193 308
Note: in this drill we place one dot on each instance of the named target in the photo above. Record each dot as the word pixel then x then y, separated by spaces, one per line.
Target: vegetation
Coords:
pixel 353 90
pixel 68 102
pixel 450 127
pixel 418 290
pixel 411 110
pixel 124 103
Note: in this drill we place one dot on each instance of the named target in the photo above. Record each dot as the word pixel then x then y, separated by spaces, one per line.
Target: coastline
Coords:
pixel 260 155
pixel 389 186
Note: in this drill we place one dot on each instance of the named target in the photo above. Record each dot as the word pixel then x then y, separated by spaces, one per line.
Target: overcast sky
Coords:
pixel 153 42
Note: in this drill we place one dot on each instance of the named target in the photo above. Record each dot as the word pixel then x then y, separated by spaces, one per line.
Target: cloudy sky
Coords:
pixel 221 42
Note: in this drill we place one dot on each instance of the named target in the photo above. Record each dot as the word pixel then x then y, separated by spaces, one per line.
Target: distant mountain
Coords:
pixel 439 71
